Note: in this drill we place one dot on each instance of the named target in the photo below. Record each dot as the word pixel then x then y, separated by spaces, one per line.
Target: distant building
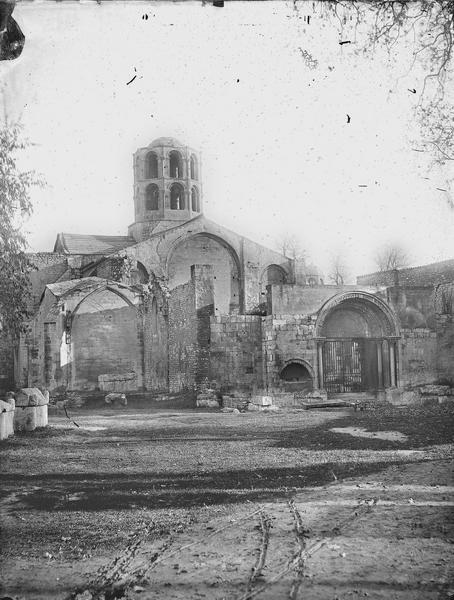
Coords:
pixel 182 302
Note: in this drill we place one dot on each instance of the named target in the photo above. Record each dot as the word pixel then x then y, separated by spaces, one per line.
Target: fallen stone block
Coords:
pixel 316 395
pixel 207 403
pixel 117 382
pixel 31 409
pixel 28 418
pixel 262 400
pixel 410 397
pixel 31 397
pixel 435 390
pixel 116 399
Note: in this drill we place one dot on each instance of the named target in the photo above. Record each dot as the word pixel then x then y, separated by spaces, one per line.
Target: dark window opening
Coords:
pixel 177 197
pixel 152 197
pixel 176 165
pixel 296 377
pixel 151 166
pixel 195 201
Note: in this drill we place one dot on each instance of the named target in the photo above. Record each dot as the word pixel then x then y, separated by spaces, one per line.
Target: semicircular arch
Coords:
pixel 368 305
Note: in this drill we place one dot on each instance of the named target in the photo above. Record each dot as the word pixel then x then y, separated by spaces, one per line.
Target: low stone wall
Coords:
pixel 428 394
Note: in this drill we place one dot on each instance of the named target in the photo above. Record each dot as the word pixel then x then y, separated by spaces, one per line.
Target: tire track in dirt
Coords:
pixel 257 570
pixel 302 535
pixel 301 556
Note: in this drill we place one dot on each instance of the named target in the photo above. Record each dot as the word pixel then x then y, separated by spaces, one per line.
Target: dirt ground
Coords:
pixel 188 504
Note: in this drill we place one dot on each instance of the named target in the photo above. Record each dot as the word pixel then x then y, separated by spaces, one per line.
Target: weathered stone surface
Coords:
pixel 116 399
pixel 6 419
pixel 435 390
pixel 28 418
pixel 410 397
pixel 317 395
pixel 117 382
pixel 262 400
pixel 30 397
pixel 207 402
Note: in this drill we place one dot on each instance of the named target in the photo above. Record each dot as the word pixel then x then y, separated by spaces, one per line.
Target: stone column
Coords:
pixel 380 364
pixel 320 364
pixel 392 362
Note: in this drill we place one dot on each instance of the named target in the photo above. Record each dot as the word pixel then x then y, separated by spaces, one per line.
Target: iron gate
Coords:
pixel 343 366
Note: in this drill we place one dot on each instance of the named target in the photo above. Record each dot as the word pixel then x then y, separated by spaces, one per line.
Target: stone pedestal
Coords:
pixel 6 419
pixel 31 410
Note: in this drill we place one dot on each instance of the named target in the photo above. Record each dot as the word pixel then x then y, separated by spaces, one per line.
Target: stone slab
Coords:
pixel 29 418
pixel 6 424
pixel 31 397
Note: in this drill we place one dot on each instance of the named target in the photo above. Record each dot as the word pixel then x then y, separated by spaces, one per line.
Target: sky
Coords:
pixel 278 155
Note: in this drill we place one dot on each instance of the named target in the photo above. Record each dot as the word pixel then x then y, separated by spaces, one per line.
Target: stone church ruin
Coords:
pixel 181 304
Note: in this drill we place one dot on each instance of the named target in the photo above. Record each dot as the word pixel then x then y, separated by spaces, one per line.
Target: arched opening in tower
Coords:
pixel 152 197
pixel 151 166
pixel 194 167
pixel 177 197
pixel 176 165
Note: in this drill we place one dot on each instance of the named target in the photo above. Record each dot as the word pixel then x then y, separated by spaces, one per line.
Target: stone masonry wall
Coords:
pixel 418 357
pixel 235 352
pixel 182 338
pixel 287 338
pixel 301 300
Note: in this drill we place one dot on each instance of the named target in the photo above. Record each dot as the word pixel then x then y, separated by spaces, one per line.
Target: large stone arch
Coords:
pixel 208 249
pixel 357 337
pixel 371 309
pixel 104 338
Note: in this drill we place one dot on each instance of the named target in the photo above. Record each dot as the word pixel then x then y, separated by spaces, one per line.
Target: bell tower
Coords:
pixel 167 188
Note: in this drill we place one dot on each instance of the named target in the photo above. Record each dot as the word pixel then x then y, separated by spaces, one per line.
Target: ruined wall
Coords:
pixel 236 352
pixel 413 276
pixel 444 307
pixel 301 300
pixel 418 357
pixel 182 338
pixel 287 338
pixel 191 307
pixel 105 339
pixel 202 249
pixel 413 305
pixel 154 316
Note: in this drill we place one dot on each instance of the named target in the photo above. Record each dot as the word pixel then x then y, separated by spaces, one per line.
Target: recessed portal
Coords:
pixel 296 377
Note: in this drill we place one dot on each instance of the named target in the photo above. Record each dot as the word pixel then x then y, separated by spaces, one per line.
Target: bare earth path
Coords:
pixel 188 504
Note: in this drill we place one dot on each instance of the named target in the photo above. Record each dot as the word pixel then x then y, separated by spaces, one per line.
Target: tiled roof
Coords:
pixel 73 243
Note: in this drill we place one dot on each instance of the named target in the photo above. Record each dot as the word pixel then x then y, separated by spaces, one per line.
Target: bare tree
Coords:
pixel 338 270
pixel 429 26
pixel 391 257
pixel 291 247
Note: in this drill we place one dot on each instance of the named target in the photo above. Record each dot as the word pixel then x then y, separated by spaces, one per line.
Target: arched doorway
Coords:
pixel 357 344
pixel 296 377
pixel 206 249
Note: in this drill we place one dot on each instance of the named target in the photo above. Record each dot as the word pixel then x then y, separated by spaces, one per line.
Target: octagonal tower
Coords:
pixel 167 187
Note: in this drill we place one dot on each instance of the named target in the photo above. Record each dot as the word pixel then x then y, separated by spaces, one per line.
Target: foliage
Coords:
pixel 391 256
pixel 15 205
pixel 291 247
pixel 338 271
pixel 429 26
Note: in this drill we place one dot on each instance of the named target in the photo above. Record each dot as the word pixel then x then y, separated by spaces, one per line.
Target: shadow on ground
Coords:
pixel 96 492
